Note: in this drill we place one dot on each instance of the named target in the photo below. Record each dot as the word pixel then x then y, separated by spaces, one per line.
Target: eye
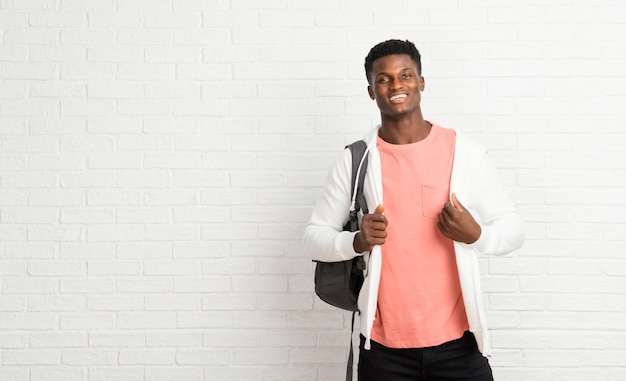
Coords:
pixel 406 75
pixel 383 79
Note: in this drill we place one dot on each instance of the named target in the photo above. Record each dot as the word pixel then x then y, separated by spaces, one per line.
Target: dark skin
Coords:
pixel 396 85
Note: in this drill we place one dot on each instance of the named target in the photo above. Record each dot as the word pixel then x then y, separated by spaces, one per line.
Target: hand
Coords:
pixel 372 231
pixel 456 222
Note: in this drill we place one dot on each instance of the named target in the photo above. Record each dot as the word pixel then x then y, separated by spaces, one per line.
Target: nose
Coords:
pixel 396 83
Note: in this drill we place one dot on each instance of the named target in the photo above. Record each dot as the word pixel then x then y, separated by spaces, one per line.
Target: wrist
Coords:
pixel 356 243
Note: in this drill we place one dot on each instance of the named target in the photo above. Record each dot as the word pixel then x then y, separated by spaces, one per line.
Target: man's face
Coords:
pixel 396 85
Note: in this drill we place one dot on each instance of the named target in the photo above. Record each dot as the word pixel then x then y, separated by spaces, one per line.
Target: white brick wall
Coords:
pixel 158 161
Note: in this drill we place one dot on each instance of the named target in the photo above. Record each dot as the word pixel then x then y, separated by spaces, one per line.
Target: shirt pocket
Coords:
pixel 433 198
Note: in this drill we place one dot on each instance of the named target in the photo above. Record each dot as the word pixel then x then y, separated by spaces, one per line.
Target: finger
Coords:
pixel 378 234
pixel 374 218
pixel 442 228
pixel 380 209
pixel 455 202
pixel 441 217
pixel 448 210
pixel 377 225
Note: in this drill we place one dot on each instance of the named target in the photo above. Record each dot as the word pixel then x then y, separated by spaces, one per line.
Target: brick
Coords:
pixel 146 320
pixel 58 340
pixel 86 108
pixel 57 198
pixel 55 233
pixel 144 285
pixel 89 358
pixel 89 5
pixel 144 37
pixel 138 179
pixel 87 321
pixel 239 266
pixel 108 198
pixel 203 320
pixel 114 161
pixel 37 108
pixel 27 250
pixel 174 339
pixel 265 356
pixel 12 304
pixel 175 54
pixel 106 17
pixel 172 303
pixel 201 37
pixel 146 357
pixel 57 19
pixel 172 267
pixel 172 161
pixel 36 321
pixel 86 251
pixel 107 303
pixel 114 233
pixel 116 373
pixel 88 37
pixel 92 285
pixel 29 358
pixel 169 20
pixel 169 90
pixel 226 302
pixel 263 4
pixel 17 36
pixel 114 268
pixel 229 18
pixel 175 373
pixel 144 5
pixel 263 283
pixel 203 357
pixel 57 268
pixel 15 17
pixel 216 283
pixel 200 249
pixel 200 214
pixel 146 71
pixel 171 233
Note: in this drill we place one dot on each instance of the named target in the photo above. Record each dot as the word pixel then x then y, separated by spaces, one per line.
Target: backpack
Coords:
pixel 339 283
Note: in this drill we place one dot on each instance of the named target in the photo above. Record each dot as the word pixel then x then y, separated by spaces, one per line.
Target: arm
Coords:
pixel 490 222
pixel 324 238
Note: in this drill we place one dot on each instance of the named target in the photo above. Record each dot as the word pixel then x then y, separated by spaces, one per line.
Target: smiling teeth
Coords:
pixel 399 96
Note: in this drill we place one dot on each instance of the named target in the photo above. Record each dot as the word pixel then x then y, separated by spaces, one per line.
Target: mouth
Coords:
pixel 398 98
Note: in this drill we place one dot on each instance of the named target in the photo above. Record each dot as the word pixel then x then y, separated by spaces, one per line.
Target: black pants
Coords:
pixel 455 360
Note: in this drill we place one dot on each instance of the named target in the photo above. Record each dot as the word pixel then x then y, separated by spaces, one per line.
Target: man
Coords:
pixel 421 306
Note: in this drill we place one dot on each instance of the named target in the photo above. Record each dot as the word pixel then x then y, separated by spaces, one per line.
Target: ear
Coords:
pixel 371 92
pixel 422 83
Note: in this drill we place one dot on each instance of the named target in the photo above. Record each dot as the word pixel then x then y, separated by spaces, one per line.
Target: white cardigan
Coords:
pixel 477 188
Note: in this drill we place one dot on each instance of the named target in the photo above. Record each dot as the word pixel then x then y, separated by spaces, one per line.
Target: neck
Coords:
pixel 404 131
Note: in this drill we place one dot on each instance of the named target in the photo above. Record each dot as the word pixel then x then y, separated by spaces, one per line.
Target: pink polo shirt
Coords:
pixel 419 299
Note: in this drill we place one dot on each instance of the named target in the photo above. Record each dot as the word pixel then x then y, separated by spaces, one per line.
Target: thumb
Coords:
pixel 455 202
pixel 379 209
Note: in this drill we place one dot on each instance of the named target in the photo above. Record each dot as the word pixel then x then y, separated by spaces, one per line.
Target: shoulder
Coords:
pixel 463 142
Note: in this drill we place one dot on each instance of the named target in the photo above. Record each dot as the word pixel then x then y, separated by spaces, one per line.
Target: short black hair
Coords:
pixel 390 47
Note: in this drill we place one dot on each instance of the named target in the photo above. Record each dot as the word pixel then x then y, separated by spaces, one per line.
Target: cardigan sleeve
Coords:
pixel 324 238
pixel 501 223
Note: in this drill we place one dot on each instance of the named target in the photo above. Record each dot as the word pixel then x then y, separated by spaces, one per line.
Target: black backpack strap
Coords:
pixel 358 149
pixel 350 366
